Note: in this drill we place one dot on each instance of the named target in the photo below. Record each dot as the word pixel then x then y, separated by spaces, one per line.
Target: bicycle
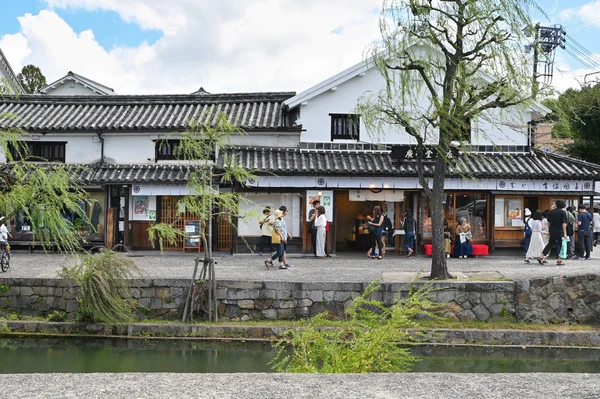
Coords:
pixel 4 257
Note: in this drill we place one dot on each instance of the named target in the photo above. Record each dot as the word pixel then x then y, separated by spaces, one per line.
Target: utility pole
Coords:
pixel 546 40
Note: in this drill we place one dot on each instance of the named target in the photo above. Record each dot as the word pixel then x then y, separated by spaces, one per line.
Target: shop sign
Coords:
pixel 404 153
pixel 544 185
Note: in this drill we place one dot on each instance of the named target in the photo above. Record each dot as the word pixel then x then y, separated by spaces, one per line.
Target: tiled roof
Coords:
pixel 154 173
pixel 287 162
pixel 41 113
pixel 534 165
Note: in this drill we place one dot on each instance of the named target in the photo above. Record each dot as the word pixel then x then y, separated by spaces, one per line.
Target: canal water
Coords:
pixel 103 355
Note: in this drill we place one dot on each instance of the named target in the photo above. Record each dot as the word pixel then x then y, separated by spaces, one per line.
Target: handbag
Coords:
pixel 563 248
pixel 275 239
pixel 469 235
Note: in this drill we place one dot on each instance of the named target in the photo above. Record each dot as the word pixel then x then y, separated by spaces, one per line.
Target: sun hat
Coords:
pixel 278 213
pixel 527 212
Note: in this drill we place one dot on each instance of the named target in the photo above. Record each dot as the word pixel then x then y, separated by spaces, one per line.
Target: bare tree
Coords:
pixel 448 65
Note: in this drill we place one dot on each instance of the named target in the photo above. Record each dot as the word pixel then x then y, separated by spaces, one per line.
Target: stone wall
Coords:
pixel 573 299
pixel 551 300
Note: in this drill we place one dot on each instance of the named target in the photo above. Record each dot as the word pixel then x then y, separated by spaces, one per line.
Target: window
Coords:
pixel 345 126
pixel 169 150
pixel 49 151
pixel 508 212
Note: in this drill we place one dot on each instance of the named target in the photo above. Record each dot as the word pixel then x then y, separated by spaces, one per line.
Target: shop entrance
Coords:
pixel 351 218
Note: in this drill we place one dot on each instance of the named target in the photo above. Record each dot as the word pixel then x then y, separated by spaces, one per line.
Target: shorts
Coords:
pixel 5 244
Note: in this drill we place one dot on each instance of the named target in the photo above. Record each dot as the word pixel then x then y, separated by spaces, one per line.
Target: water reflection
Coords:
pixel 91 355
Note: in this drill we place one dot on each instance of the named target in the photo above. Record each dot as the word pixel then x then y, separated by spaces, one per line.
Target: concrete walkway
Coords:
pixel 298 386
pixel 340 268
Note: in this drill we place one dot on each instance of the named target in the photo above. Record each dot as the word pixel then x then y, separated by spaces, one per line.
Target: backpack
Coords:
pixel 527 227
pixel 387 224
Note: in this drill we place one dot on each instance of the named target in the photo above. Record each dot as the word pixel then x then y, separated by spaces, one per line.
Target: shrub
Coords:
pixel 369 340
pixel 104 286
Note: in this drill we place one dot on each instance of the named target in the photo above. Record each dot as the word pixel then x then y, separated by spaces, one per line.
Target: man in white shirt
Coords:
pixel 4 234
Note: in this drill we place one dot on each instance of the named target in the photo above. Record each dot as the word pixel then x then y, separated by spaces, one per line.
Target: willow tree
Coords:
pixel 42 192
pixel 447 64
pixel 207 151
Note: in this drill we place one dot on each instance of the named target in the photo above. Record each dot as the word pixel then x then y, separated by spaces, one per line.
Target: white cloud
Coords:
pixel 224 46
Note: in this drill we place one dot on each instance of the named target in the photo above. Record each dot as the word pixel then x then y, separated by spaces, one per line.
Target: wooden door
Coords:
pixel 139 235
pixel 111 227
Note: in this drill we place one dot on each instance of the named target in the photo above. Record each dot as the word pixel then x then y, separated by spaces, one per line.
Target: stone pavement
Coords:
pixel 298 386
pixel 341 268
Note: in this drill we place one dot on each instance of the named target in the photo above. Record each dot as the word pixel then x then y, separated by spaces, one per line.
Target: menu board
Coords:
pixel 192 234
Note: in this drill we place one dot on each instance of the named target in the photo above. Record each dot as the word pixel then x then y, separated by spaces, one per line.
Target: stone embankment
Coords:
pixel 568 300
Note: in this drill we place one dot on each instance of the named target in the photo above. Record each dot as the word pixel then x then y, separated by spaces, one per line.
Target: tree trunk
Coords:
pixel 439 267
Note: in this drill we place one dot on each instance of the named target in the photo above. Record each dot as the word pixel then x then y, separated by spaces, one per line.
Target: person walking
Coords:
pixel 462 243
pixel 584 221
pixel 321 224
pixel 596 219
pixel 557 222
pixel 375 223
pixel 571 229
pixel 277 241
pixel 266 229
pixel 409 225
pixel 286 235
pixel 527 232
pixel 536 244
pixel 545 227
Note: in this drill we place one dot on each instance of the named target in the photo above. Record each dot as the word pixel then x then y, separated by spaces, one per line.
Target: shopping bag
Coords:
pixel 463 237
pixel 563 248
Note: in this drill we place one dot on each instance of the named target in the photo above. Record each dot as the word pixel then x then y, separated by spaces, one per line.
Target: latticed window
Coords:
pixel 167 150
pixel 345 126
pixel 49 151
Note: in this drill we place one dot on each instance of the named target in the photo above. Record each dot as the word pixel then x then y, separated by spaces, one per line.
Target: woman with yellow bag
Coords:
pixel 277 241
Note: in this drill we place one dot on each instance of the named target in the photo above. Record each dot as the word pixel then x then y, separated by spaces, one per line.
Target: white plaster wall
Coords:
pixel 505 127
pixel 267 139
pixel 124 148
pixel 71 88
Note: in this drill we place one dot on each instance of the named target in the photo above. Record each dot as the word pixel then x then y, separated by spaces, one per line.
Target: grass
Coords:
pixel 498 324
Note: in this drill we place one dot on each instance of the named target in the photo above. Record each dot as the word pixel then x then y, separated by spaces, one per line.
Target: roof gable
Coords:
pixel 344 76
pixel 10 74
pixel 93 86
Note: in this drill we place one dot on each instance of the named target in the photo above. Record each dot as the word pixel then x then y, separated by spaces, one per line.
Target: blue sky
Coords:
pixel 177 46
pixel 109 28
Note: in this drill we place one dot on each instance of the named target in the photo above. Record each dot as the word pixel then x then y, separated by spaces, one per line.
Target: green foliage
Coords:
pixel 104 286
pixel 576 115
pixel 369 340
pixel 165 233
pixel 32 79
pixel 4 288
pixel 200 146
pixel 56 316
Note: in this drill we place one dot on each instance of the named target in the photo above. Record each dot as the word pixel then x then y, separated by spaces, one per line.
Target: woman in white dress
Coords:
pixel 321 224
pixel 536 245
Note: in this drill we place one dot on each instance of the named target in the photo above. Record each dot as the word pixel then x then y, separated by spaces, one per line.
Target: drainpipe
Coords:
pixel 99 133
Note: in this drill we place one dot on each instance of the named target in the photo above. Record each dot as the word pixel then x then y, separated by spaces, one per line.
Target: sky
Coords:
pixel 178 46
